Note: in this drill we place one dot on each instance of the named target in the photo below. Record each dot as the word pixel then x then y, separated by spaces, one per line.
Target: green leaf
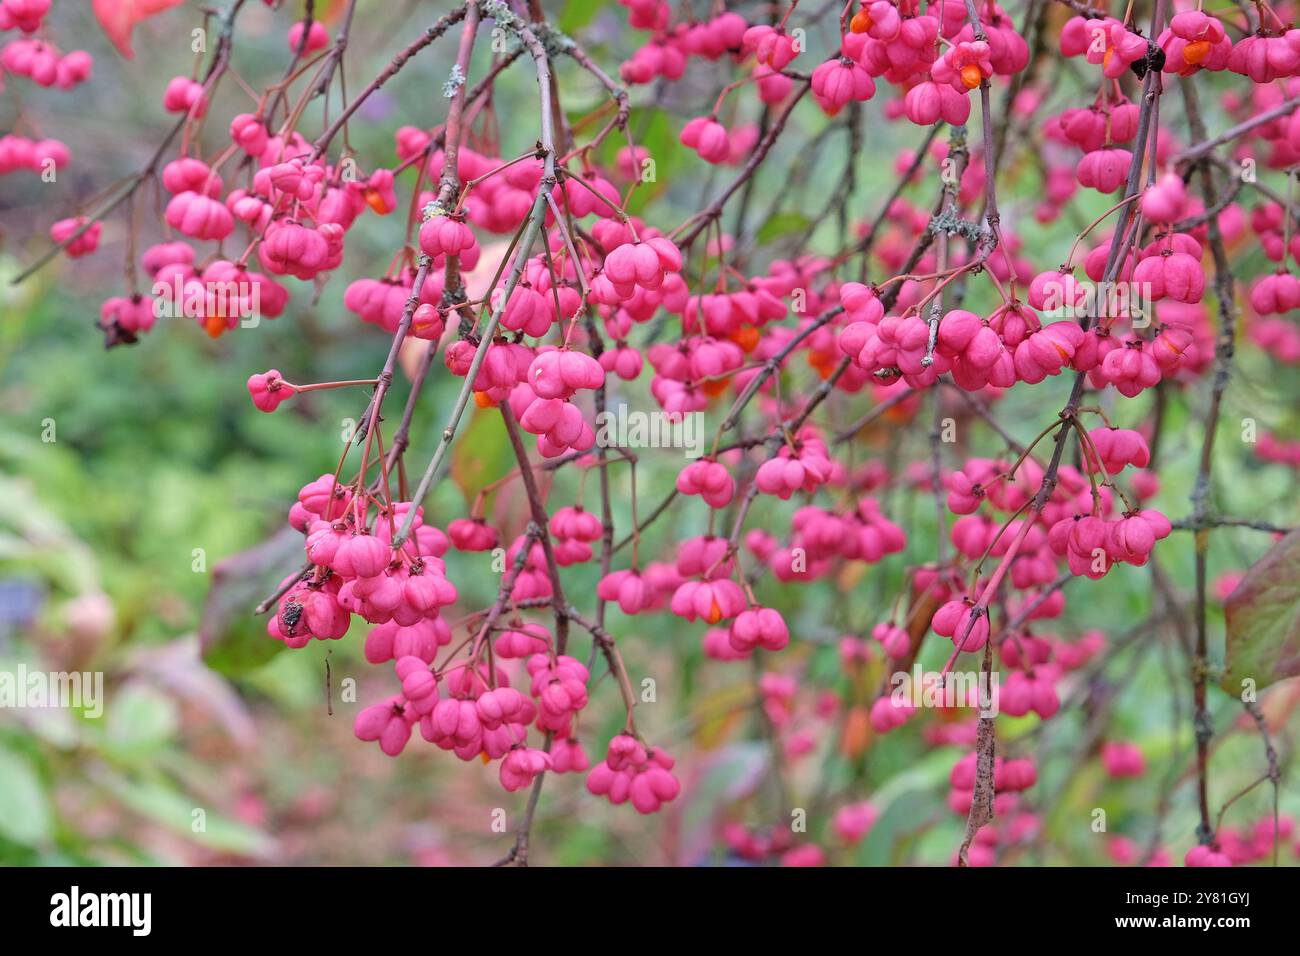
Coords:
pixel 140 722
pixel 482 453
pixel 906 801
pixel 40 539
pixel 731 773
pixel 578 13
pixel 232 639
pixel 658 135
pixel 783 224
pixel 160 803
pixel 1263 620
pixel 583 844
pixel 24 812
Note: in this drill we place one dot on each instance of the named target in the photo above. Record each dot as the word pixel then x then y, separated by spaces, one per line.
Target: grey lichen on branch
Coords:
pixel 553 40
pixel 455 81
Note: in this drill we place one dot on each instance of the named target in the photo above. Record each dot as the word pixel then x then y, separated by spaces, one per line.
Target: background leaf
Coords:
pixel 1263 620
pixel 140 721
pixel 481 453
pixel 232 639
pixel 24 815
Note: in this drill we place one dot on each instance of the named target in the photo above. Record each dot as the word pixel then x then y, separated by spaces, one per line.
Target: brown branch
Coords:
pixel 706 216
pixel 1223 352
pixel 1205 145
pixel 435 30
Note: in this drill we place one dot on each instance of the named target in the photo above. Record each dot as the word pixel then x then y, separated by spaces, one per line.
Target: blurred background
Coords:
pixel 143 504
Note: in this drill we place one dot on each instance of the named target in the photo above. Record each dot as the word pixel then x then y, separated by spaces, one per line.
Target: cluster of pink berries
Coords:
pixel 631 771
pixel 469 708
pixel 44 64
pixel 38 156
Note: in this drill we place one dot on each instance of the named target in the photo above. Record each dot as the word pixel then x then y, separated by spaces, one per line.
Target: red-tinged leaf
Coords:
pixel 119 17
pixel 720 712
pixel 857 734
pixel 1263 620
pixel 332 11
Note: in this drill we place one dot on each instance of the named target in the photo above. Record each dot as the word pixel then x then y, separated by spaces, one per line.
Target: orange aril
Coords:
pixel 746 337
pixel 715 386
pixel 1196 51
pixel 822 363
pixel 715 613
